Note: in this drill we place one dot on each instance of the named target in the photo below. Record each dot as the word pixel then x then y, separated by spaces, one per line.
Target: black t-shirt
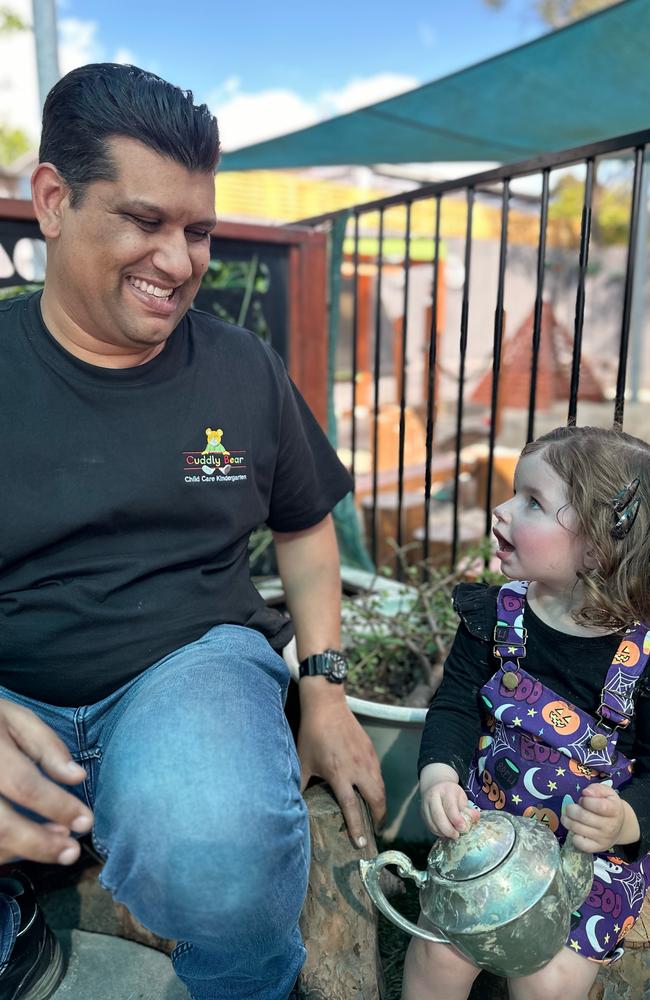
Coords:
pixel 573 666
pixel 129 496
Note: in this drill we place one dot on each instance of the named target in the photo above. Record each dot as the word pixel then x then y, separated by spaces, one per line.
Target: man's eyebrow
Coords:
pixel 142 205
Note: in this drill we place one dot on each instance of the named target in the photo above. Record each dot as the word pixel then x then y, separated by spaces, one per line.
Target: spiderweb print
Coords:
pixel 586 754
pixel 621 688
pixel 501 741
pixel 634 886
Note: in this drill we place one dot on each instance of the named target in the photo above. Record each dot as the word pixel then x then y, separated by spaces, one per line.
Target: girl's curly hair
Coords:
pixel 596 464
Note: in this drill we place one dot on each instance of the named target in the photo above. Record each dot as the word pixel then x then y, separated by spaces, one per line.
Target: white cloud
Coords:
pixel 78 44
pixel 248 118
pixel 125 57
pixel 358 93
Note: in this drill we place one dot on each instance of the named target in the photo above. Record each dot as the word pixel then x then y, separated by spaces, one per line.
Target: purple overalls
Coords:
pixel 537 752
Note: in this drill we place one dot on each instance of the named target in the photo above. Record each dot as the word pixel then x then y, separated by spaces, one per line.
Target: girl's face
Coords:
pixel 535 529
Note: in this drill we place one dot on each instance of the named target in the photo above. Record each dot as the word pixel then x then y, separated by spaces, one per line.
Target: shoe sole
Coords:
pixel 45 987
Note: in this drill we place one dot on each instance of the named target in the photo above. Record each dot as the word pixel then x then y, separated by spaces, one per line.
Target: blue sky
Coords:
pixel 305 46
pixel 267 68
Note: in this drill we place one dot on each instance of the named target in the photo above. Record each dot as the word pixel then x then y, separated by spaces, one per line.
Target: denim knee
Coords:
pixel 221 870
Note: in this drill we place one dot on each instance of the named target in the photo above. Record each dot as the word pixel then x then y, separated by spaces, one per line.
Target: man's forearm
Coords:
pixel 308 562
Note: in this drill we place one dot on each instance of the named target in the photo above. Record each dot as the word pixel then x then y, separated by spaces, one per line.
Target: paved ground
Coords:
pixel 108 968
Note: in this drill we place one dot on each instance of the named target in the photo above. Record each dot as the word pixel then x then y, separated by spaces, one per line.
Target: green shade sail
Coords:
pixel 587 82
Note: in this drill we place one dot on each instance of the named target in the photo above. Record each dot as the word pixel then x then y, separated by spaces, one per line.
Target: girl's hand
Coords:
pixel 443 801
pixel 598 820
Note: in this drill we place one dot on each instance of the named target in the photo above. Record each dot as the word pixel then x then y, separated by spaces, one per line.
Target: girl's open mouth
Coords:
pixel 503 545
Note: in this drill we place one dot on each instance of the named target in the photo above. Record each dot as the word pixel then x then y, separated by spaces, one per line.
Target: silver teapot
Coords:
pixel 502 893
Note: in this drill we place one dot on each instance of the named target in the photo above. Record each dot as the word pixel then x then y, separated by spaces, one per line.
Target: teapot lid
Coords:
pixel 478 851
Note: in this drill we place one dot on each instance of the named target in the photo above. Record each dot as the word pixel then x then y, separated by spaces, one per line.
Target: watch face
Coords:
pixel 337 665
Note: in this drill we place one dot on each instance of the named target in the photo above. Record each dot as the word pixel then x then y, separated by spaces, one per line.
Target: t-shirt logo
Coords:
pixel 215 463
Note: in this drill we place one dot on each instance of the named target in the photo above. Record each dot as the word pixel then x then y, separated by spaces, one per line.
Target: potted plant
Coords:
pixel 396 636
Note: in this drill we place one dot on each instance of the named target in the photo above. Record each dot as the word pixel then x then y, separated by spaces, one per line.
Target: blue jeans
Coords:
pixel 194 780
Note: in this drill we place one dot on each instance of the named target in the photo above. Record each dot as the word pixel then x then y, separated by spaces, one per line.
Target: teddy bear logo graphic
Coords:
pixel 214 446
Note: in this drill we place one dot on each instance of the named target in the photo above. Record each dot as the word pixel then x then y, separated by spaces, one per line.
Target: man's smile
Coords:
pixel 162 301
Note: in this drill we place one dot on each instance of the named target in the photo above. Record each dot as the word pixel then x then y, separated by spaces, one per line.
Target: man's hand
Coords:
pixel 600 819
pixel 26 742
pixel 332 745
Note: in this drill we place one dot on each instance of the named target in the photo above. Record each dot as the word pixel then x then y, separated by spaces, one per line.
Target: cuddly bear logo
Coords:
pixel 213 442
pixel 214 446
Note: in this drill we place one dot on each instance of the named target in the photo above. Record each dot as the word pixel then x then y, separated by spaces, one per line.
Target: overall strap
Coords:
pixel 630 660
pixel 509 633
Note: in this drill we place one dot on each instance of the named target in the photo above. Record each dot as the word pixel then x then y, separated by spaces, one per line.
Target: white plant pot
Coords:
pixel 395 733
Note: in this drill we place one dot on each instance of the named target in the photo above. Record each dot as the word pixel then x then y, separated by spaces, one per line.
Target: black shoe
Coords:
pixel 36 965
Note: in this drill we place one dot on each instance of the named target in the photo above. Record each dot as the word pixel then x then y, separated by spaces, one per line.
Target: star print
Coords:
pixel 575 945
pixel 516 799
pixel 532 711
pixel 541 732
pixel 512 649
pixel 577 787
pixel 560 771
pixel 616 928
pixel 516 721
pixel 552 785
pixel 606 939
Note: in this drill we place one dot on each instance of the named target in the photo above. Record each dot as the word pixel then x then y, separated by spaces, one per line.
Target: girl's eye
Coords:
pixel 534 504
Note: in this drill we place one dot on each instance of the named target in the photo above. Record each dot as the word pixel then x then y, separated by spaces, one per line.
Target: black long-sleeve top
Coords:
pixel 573 666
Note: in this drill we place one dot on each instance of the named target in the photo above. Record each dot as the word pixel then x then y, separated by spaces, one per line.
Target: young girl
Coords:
pixel 546 685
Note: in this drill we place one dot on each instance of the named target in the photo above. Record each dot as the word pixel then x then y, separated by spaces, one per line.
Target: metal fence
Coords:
pixel 528 305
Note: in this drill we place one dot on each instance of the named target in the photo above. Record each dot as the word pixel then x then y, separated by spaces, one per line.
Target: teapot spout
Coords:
pixel 578 868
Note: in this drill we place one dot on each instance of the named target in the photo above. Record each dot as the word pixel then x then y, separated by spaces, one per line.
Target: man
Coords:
pixel 138 664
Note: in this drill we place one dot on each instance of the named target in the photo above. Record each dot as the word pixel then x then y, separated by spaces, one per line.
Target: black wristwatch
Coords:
pixel 331 664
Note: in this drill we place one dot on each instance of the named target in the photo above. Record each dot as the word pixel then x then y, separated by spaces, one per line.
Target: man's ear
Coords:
pixel 51 197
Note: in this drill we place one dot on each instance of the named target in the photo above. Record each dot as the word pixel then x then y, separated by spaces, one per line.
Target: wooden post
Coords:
pixel 339 921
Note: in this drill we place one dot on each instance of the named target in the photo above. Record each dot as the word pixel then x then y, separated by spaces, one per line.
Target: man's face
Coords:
pixel 127 262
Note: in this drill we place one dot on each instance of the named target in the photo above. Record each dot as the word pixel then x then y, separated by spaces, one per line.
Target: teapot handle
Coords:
pixel 370 877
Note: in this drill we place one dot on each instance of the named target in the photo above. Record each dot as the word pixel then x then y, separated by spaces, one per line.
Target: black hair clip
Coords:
pixel 625 508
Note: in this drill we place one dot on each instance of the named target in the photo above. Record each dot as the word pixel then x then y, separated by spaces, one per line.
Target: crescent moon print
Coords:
pixel 530 787
pixel 590 931
pixel 501 709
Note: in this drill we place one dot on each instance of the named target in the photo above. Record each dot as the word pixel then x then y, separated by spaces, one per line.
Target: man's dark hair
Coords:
pixel 95 102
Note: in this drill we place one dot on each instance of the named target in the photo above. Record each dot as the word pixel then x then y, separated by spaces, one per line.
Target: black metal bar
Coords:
pixel 635 209
pixel 539 304
pixel 464 321
pixel 523 168
pixel 431 381
pixel 376 373
pixel 402 400
pixel 499 322
pixel 355 341
pixel 583 260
